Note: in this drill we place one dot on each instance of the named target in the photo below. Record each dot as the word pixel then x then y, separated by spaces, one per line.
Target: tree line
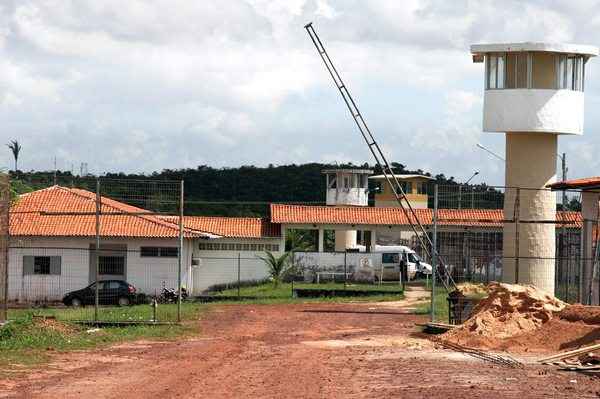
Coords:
pixel 246 190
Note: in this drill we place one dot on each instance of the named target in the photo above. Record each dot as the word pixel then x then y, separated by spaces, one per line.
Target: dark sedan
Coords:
pixel 110 292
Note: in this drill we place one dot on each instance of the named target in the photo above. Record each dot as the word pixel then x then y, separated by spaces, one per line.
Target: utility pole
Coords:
pixel 563 161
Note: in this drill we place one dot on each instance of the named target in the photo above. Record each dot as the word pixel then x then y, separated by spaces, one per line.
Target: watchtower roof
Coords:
pixel 581 49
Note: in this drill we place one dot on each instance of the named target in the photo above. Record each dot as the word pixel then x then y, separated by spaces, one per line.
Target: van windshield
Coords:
pixel 414 258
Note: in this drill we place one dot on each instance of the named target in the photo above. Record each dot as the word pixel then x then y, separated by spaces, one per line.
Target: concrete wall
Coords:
pixel 533 110
pixel 347 196
pixel 221 266
pixel 530 163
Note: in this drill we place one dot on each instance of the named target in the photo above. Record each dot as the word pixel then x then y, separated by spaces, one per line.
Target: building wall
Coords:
pixel 347 196
pixel 533 110
pixel 147 274
pixel 220 266
pixel 414 190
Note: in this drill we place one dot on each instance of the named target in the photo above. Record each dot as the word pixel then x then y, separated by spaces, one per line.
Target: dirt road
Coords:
pixel 300 351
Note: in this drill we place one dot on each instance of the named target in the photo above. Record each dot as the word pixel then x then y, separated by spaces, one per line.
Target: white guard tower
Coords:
pixel 533 93
pixel 347 187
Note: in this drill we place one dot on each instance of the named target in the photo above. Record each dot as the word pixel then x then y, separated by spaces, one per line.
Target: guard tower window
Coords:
pixel 536 70
pixel 543 70
pixel 406 187
pixel 363 181
pixel 332 181
pixel 571 72
pixel 495 71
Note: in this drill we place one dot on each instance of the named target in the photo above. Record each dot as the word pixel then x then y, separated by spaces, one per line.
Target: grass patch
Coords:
pixel 28 339
pixel 144 312
pixel 440 306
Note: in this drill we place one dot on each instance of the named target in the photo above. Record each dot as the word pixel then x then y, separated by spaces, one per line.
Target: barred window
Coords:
pixel 111 265
pixel 238 247
pixel 165 252
pixel 169 252
pixel 41 265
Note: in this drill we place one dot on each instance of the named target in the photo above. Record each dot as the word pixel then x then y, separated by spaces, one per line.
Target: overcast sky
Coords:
pixel 139 86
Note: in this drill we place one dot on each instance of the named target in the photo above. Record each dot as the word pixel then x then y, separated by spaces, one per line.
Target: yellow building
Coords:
pixel 414 186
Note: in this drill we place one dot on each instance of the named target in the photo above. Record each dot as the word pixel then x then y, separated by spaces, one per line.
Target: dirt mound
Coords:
pixel 470 289
pixel 54 325
pixel 509 310
pixel 585 314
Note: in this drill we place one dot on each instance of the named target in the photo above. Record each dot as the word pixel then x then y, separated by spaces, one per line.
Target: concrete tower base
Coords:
pixel 344 239
pixel 530 165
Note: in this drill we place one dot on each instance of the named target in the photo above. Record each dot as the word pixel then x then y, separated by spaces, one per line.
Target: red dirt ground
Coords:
pixel 300 351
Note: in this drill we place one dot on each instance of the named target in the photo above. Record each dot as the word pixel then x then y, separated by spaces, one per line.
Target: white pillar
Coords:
pixel 345 239
pixel 530 165
pixel 321 239
pixel 282 242
pixel 373 239
pixel 589 212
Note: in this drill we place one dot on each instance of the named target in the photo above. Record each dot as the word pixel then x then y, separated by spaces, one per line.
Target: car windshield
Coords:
pixel 414 258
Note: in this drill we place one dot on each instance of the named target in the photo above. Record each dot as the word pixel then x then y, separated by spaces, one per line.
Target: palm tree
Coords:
pixel 15 147
pixel 278 266
pixel 297 240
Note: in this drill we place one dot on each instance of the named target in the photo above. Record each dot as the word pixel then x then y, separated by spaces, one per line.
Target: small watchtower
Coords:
pixel 347 187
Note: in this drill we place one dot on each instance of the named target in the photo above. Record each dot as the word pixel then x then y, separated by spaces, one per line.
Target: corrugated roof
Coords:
pixel 61 212
pixel 238 227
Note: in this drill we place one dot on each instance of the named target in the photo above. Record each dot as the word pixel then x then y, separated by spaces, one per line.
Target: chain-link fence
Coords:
pixel 517 235
pixel 100 250
pixel 248 275
pixel 4 244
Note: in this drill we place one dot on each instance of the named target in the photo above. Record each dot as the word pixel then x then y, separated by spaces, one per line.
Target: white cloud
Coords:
pixel 141 85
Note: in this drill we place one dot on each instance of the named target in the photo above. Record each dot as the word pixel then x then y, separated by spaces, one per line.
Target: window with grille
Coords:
pixel 111 265
pixel 165 252
pixel 41 265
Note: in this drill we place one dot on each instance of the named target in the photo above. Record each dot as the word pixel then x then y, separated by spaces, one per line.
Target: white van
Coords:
pixel 391 258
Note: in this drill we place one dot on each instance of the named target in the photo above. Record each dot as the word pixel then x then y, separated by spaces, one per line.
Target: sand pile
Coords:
pixel 509 310
pixel 470 289
pixel 581 313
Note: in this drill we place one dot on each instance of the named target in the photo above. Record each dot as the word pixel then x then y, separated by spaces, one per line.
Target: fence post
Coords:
pixel 238 274
pixel 180 251
pixel 434 252
pixel 345 268
pixel 5 201
pixel 517 249
pixel 580 263
pixel 97 252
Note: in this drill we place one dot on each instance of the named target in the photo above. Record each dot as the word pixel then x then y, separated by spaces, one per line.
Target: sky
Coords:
pixel 140 86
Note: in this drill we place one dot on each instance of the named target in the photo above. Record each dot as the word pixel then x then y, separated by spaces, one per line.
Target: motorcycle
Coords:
pixel 170 295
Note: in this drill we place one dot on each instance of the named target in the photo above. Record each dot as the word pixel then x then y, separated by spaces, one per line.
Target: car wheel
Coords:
pixel 123 301
pixel 76 302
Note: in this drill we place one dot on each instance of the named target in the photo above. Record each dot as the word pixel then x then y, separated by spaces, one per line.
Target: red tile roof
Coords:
pixel 302 214
pixel 239 227
pixel 584 183
pixel 60 212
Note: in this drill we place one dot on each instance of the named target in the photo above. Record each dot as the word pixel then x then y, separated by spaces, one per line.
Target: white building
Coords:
pixel 53 235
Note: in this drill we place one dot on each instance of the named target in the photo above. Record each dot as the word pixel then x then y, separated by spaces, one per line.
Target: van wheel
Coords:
pixel 123 301
pixel 76 302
